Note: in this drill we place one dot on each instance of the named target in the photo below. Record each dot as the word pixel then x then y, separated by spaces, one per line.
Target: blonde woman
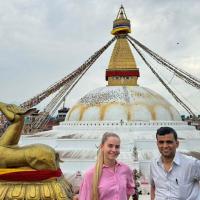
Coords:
pixel 108 179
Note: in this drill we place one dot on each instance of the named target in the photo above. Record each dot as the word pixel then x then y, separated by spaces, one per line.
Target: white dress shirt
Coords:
pixel 180 182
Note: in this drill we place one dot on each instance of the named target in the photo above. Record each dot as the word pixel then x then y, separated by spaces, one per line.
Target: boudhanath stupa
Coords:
pixel 122 106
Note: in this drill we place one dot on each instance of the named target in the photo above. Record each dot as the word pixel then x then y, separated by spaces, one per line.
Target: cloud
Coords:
pixel 42 41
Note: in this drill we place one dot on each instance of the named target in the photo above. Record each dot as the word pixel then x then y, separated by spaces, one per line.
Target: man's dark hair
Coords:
pixel 166 130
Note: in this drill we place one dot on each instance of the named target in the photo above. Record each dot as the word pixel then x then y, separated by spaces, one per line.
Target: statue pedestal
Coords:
pixel 53 189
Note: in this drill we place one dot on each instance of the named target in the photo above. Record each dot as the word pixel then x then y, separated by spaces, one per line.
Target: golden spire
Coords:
pixel 122 68
pixel 121 24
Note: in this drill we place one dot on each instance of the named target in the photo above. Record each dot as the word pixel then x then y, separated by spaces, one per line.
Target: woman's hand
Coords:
pixel 76 197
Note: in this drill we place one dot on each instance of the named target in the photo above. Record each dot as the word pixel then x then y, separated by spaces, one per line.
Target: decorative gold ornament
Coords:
pixel 28 172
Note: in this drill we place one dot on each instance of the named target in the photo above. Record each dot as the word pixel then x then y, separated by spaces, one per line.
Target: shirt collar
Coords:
pixel 176 159
pixel 116 165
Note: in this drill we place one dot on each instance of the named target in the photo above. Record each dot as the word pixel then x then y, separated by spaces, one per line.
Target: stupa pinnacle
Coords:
pixel 122 69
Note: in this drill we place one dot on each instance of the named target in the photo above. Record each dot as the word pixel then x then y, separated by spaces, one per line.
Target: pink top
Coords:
pixel 114 185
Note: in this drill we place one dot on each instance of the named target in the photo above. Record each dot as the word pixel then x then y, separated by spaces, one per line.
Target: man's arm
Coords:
pixel 152 192
pixel 197 170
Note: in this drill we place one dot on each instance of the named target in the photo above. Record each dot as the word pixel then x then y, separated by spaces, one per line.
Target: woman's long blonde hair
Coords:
pixel 99 166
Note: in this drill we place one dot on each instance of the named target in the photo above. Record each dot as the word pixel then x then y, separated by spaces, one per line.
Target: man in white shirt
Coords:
pixel 173 175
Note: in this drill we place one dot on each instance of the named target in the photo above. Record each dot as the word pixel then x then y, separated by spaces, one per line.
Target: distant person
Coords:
pixel 108 179
pixel 173 175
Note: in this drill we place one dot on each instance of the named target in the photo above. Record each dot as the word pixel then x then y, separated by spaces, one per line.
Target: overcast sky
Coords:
pixel 41 41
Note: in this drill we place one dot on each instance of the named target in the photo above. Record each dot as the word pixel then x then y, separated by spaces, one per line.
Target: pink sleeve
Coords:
pixel 130 183
pixel 86 187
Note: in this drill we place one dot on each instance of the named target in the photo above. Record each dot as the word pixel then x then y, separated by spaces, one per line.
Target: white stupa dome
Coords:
pixel 129 103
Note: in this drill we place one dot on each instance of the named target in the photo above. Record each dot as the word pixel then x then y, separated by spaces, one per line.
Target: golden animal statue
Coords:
pixel 29 172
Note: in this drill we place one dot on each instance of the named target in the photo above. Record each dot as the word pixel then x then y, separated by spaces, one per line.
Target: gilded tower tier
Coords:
pixel 122 69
